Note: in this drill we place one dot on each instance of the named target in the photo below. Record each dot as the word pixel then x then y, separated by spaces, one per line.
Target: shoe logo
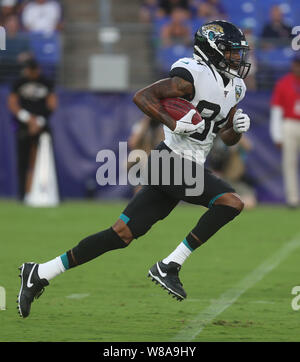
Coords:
pixel 29 284
pixel 160 272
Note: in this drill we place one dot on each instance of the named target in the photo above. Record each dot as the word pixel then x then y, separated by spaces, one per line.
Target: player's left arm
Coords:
pixel 238 123
pixel 52 102
pixel 148 98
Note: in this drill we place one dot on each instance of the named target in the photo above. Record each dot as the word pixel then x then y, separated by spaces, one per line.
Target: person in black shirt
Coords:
pixel 168 5
pixel 276 32
pixel 32 100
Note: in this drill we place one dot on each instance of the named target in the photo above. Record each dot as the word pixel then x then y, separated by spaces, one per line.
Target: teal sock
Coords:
pixel 65 261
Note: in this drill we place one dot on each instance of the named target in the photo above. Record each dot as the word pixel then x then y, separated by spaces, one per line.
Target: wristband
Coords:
pixel 41 121
pixel 23 116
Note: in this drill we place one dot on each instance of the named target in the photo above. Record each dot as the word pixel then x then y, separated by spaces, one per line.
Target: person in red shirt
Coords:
pixel 285 128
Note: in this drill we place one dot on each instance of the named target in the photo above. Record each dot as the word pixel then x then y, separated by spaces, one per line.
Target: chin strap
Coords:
pixel 201 56
pixel 227 74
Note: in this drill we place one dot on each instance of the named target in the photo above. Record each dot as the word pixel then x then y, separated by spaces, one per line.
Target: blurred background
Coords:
pixel 96 53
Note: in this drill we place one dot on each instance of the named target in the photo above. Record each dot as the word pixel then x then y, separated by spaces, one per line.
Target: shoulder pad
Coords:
pixel 190 64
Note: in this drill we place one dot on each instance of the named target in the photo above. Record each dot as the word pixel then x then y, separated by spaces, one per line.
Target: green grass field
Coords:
pixel 111 298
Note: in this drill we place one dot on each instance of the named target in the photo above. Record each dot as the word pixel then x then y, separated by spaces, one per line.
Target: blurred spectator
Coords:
pixel 8 8
pixel 177 30
pixel 31 101
pixel 206 12
pixel 146 135
pixel 150 11
pixel 285 128
pixel 229 163
pixel 250 81
pixel 276 30
pixel 42 16
pixel 17 50
pixel 219 8
pixel 169 5
pixel 209 10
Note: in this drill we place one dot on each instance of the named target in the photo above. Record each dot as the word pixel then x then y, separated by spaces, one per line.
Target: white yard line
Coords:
pixel 2 298
pixel 196 326
pixel 77 296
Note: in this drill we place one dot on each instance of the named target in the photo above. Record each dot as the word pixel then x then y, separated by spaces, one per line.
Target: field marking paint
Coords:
pixel 77 296
pixel 196 326
pixel 2 298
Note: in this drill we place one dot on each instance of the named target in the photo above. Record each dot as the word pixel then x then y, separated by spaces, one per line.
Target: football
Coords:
pixel 178 107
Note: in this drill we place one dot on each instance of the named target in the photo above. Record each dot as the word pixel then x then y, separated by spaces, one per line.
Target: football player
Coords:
pixel 212 80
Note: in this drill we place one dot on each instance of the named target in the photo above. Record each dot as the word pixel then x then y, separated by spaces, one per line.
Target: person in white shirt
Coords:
pixel 42 16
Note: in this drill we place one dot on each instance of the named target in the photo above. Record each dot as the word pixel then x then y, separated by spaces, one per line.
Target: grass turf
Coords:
pixel 111 299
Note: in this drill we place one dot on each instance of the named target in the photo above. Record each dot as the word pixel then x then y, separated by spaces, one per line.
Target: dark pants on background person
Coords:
pixel 26 154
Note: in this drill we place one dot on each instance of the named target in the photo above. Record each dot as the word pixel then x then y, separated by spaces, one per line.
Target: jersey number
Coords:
pixel 215 108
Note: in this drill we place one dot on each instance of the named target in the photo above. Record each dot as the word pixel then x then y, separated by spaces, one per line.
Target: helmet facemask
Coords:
pixel 233 62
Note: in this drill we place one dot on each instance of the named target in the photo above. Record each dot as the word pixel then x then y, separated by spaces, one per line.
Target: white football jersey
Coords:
pixel 213 101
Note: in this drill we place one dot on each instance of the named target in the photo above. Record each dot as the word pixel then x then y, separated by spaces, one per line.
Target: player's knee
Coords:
pixel 232 200
pixel 123 231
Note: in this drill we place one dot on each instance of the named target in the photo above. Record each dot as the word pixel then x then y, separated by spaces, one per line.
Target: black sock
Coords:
pixel 210 222
pixel 93 246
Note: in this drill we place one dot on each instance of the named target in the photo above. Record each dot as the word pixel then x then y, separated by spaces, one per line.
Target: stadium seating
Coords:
pixel 243 12
pixel 166 56
pixel 46 50
pixel 247 14
pixel 256 13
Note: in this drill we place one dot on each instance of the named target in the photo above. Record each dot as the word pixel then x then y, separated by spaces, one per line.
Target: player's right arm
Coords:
pixel 13 103
pixel 21 114
pixel 148 98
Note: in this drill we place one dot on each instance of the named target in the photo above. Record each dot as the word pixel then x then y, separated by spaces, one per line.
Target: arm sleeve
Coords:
pixel 276 124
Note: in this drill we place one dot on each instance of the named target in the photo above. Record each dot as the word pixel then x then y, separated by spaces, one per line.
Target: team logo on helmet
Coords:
pixel 238 92
pixel 212 30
